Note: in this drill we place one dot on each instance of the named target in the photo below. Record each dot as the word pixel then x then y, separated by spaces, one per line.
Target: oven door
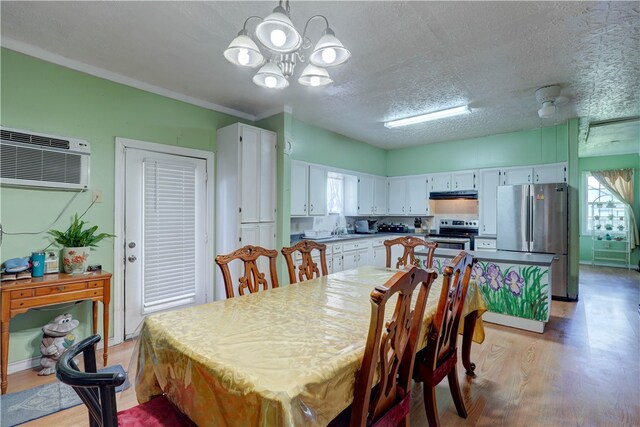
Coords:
pixel 452 243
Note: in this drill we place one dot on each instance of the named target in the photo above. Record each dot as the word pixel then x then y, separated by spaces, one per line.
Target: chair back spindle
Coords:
pixel 409 244
pixel 392 346
pixel 252 279
pixel 307 269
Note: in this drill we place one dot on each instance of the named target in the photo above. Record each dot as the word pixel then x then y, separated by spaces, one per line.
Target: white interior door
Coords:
pixel 165 233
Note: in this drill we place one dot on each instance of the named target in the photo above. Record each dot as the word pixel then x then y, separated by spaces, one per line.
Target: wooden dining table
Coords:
pixel 284 357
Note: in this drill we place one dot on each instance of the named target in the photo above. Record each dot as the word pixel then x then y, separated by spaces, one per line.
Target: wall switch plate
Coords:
pixel 96 196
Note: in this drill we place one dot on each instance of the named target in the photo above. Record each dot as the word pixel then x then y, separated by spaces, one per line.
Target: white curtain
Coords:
pixel 335 194
pixel 620 183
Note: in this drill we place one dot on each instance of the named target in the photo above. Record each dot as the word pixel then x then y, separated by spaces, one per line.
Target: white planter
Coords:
pixel 74 260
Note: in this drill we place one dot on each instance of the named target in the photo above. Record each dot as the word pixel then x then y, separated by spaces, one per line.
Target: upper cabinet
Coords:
pixel 440 182
pixel 299 188
pixel 308 189
pixel 543 174
pixel 548 174
pixel 257 172
pixel 317 190
pixel 397 196
pixel 465 180
pixel 372 195
pixel 488 196
pixel 417 195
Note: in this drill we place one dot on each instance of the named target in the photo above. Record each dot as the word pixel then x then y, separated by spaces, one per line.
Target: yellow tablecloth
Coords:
pixel 284 357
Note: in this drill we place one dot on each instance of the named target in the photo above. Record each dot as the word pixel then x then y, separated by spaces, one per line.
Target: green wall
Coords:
pixel 602 163
pixel 316 145
pixel 44 97
pixel 537 146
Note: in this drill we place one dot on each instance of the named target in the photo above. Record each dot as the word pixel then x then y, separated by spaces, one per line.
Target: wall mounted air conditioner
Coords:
pixel 30 159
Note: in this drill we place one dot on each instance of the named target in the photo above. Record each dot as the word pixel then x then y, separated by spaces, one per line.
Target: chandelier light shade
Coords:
pixel 270 76
pixel 329 51
pixel 244 52
pixel 278 45
pixel 314 76
pixel 277 33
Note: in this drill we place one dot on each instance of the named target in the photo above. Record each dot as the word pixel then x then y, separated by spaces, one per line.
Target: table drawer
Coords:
pixel 94 284
pixel 70 287
pixel 23 293
pixel 56 298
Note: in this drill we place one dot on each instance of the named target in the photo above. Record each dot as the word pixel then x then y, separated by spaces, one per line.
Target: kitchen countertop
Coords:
pixel 297 237
pixel 498 256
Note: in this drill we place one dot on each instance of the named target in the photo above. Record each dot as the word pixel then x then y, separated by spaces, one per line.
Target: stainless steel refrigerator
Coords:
pixel 533 218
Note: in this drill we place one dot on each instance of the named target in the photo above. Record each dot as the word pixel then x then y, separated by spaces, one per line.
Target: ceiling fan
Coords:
pixel 550 99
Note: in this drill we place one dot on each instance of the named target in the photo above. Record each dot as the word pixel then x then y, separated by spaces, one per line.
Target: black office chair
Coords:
pixel 98 392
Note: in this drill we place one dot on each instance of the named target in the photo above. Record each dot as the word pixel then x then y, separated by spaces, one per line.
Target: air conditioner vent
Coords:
pixel 26 138
pixel 39 160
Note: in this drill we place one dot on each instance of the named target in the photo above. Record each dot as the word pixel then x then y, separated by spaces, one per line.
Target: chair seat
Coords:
pixel 156 412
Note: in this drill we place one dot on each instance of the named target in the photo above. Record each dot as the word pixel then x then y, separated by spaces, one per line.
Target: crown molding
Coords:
pixel 54 58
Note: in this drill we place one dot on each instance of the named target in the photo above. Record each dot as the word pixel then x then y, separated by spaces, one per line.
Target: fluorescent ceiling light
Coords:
pixel 427 117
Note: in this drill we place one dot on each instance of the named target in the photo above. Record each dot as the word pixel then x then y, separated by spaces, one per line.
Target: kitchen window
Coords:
pixel 335 193
pixel 597 197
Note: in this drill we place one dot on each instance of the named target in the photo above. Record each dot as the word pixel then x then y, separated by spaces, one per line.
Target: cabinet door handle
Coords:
pixel 311 206
pixel 537 178
pixel 529 178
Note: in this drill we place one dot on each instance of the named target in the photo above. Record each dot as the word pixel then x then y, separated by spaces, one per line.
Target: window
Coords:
pixel 601 209
pixel 335 193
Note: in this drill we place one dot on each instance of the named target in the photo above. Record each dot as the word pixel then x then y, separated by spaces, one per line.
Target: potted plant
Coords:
pixel 76 242
pixel 608 227
pixel 621 227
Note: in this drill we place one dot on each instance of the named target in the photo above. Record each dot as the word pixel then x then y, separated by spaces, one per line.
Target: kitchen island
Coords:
pixel 515 286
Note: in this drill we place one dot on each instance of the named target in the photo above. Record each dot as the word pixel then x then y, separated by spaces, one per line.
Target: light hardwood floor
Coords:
pixel 584 370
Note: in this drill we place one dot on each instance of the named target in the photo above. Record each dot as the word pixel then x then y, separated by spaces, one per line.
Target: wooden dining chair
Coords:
pixel 390 351
pixel 409 244
pixel 439 358
pixel 97 390
pixel 307 269
pixel 252 279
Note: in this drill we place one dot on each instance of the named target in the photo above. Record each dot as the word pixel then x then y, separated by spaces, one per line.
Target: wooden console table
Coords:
pixel 21 295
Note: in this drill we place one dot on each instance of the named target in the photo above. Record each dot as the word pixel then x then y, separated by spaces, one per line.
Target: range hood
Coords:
pixel 452 195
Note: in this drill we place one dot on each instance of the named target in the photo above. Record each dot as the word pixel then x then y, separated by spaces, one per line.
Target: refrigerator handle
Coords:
pixel 530 222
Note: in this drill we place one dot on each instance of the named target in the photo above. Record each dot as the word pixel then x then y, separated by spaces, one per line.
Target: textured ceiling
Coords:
pixel 407 58
pixel 610 138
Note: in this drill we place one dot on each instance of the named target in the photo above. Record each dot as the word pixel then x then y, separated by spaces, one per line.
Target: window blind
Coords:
pixel 169 276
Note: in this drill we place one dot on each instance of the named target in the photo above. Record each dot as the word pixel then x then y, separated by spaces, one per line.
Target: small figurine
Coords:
pixel 56 338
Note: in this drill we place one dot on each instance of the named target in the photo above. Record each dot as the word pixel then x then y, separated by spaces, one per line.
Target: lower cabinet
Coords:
pixel 379 258
pixel 263 234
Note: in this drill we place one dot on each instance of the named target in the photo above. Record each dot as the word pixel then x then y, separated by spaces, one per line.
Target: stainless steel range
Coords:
pixel 456 234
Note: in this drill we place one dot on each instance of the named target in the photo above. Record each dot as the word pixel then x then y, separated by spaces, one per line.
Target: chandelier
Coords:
pixel 283 46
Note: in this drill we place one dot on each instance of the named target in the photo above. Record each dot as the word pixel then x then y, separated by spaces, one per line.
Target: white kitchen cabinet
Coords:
pixel 517 176
pixel 317 190
pixel 299 188
pixel 548 174
pixel 263 234
pixel 397 196
pixel 245 188
pixel 365 195
pixel 268 159
pixel 440 182
pixel 354 259
pixel 487 198
pixel 379 256
pixel 379 195
pixel 541 174
pixel 417 195
pixel 464 180
pixel 372 195
pixel 337 264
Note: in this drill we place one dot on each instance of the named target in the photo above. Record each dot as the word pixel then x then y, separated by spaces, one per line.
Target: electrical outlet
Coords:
pixel 97 196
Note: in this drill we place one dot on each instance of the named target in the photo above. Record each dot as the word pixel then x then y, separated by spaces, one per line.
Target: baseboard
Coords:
pixel 514 322
pixel 23 365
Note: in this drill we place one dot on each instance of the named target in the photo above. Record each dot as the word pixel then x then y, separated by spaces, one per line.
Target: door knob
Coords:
pixel 132 258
